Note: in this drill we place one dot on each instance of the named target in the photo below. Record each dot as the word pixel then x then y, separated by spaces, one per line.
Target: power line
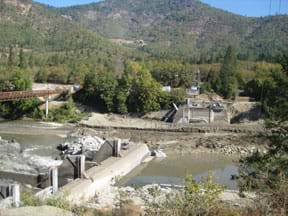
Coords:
pixel 270 7
pixel 280 3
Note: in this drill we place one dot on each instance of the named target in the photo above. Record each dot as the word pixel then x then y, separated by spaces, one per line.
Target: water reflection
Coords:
pixel 173 170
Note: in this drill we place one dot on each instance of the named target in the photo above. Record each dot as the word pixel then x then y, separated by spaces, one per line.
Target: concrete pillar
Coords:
pixel 15 190
pixel 54 179
pixel 117 148
pixel 210 113
pixel 47 107
pixel 80 164
pixel 211 116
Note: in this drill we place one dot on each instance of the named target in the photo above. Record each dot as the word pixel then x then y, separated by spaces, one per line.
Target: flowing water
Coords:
pixel 173 169
pixel 42 145
pixel 35 138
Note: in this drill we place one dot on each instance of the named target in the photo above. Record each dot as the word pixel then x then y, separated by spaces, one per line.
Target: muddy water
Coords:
pixel 42 145
pixel 174 168
pixel 35 138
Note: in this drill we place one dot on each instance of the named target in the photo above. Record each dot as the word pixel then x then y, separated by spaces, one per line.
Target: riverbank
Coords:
pixel 187 142
pixel 145 197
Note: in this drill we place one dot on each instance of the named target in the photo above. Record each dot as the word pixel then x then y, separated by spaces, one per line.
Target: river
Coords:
pixel 174 168
pixel 41 139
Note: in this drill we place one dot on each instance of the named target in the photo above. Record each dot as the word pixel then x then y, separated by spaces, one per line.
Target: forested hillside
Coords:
pixel 176 38
pixel 23 22
pixel 184 28
pixel 52 48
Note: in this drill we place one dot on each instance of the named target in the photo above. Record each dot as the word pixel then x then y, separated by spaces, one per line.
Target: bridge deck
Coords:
pixel 17 95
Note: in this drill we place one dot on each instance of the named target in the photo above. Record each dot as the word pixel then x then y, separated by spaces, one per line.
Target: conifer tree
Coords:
pixel 227 76
pixel 21 59
pixel 11 56
pixel 31 60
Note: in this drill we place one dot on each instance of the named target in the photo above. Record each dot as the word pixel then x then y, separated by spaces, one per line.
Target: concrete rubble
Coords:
pixel 81 144
pixel 158 153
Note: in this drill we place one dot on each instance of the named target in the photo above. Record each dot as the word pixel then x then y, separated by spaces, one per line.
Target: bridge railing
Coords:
pixel 17 95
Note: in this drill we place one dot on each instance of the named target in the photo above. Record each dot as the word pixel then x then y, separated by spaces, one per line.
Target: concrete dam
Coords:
pixel 85 164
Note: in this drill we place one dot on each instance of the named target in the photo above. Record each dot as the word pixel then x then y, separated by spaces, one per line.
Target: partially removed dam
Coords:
pixel 99 177
pixel 91 171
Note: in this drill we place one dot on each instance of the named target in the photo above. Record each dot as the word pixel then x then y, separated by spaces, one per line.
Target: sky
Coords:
pixel 244 7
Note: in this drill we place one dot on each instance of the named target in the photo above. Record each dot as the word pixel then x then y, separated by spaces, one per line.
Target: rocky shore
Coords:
pixel 147 195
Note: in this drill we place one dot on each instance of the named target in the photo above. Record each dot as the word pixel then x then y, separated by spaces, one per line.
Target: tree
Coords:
pixel 106 90
pixel 15 109
pixel 123 91
pixel 41 76
pixel 11 57
pixel 31 60
pixel 99 90
pixel 22 63
pixel 266 170
pixel 227 76
pixel 145 92
pixel 135 91
pixel 1 5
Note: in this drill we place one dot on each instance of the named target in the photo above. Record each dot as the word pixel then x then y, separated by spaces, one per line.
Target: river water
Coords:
pixel 42 145
pixel 40 139
pixel 173 170
pixel 36 137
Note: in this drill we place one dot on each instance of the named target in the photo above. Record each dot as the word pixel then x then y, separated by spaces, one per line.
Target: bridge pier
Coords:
pixel 47 107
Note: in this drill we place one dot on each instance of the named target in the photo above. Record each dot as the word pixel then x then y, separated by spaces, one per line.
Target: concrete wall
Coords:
pixel 103 176
pixel 104 153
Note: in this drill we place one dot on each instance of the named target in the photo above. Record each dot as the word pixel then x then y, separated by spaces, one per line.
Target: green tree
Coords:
pixel 99 90
pixel 11 56
pixel 145 92
pixel 1 5
pixel 15 109
pixel 106 90
pixel 123 91
pixel 22 63
pixel 42 75
pixel 227 76
pixel 266 170
pixel 31 60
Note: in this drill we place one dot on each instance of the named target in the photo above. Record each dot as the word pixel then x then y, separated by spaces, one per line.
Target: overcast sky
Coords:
pixel 243 7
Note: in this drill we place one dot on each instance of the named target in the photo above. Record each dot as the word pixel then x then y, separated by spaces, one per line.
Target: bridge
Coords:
pixel 28 94
pixel 19 95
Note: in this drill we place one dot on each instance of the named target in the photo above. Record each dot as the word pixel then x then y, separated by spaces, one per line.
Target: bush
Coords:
pixel 66 113
pixel 28 199
pixel 176 96
pixel 197 199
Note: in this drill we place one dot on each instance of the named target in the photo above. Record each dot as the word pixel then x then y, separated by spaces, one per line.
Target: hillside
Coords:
pixel 34 26
pixel 183 28
pixel 52 48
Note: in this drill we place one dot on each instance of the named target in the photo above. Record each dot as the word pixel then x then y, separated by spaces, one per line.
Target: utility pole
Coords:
pixel 47 103
pixel 47 107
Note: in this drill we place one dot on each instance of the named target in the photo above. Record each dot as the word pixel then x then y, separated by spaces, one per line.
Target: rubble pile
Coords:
pixel 81 145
